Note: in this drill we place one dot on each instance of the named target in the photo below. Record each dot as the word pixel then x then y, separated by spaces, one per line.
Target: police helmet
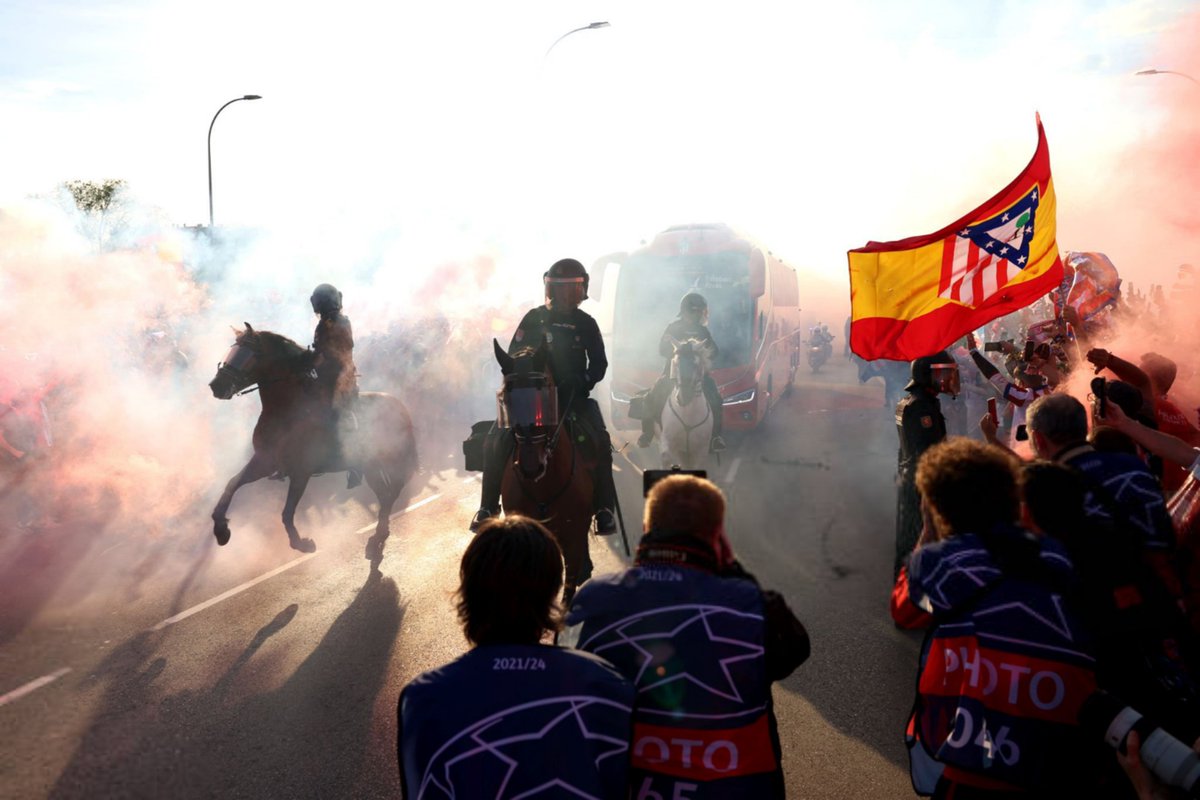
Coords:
pixel 566 272
pixel 326 299
pixel 692 304
pixel 938 372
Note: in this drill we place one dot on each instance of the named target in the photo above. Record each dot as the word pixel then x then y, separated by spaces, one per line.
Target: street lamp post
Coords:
pixel 1167 72
pixel 591 27
pixel 210 129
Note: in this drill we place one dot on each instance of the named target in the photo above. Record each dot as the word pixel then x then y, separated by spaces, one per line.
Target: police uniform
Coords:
pixel 680 330
pixel 577 362
pixel 506 720
pixel 333 350
pixel 919 425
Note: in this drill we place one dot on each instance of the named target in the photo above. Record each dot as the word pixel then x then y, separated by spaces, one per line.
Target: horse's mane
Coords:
pixel 280 346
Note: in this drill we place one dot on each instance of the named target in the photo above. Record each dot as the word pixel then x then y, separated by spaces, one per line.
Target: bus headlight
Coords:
pixel 620 397
pixel 741 397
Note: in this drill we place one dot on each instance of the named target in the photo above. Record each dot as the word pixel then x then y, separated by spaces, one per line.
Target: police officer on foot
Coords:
pixel 333 360
pixel 692 323
pixel 578 363
pixel 514 712
pixel 702 642
pixel 920 425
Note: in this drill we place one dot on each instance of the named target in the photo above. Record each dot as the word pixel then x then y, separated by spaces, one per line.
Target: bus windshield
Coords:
pixel 648 294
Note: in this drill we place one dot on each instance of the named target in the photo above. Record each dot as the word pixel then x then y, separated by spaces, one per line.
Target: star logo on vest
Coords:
pixel 717 651
pixel 983 257
pixel 505 753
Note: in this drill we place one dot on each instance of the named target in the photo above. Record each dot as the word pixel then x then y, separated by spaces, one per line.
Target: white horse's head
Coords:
pixel 690 362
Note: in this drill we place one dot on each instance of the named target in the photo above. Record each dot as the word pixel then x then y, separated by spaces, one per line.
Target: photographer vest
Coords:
pixel 693 643
pixel 1003 671
pixel 503 720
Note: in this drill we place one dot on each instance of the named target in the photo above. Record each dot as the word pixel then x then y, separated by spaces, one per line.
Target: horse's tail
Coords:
pixel 388 437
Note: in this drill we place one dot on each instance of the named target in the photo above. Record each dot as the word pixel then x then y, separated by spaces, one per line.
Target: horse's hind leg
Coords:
pixel 296 486
pixel 256 468
pixel 386 492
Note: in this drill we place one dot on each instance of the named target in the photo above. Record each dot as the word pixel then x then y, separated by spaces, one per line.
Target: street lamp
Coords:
pixel 591 27
pixel 1167 72
pixel 210 127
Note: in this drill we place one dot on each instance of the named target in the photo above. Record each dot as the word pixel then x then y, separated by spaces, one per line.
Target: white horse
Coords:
pixel 687 421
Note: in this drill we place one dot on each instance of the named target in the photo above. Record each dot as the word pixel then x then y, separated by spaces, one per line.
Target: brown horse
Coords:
pixel 548 477
pixel 294 439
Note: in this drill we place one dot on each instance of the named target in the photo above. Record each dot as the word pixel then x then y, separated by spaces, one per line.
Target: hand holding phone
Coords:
pixel 1099 397
pixel 992 411
pixel 971 343
pixel 1028 350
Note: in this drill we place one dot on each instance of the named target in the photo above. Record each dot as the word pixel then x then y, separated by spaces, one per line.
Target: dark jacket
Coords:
pixel 577 357
pixel 920 425
pixel 681 330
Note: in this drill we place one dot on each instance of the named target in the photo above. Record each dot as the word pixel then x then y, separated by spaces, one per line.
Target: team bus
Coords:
pixel 754 316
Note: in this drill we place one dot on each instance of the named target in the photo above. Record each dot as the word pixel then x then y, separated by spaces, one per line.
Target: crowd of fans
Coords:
pixel 1056 566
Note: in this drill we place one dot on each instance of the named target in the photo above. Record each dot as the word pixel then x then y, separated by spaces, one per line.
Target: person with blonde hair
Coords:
pixel 702 642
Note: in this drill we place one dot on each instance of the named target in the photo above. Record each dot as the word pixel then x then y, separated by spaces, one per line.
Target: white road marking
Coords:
pixel 473 478
pixel 226 595
pixel 733 468
pixel 32 686
pixel 415 505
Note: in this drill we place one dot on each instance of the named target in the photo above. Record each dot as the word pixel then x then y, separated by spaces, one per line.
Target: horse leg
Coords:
pixel 296 486
pixel 386 492
pixel 256 468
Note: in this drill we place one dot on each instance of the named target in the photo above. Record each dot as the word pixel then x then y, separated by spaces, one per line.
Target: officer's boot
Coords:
pixel 604 495
pixel 493 478
pixel 717 406
pixel 647 433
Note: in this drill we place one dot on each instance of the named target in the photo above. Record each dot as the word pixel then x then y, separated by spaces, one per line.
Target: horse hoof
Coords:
pixel 222 532
pixel 303 545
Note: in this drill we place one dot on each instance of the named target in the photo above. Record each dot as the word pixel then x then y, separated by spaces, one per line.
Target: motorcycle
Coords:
pixel 819 351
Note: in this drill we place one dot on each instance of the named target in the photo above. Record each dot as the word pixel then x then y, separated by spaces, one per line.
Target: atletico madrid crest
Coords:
pixel 981 259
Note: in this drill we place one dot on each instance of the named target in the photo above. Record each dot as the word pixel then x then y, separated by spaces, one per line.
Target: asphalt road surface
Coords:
pixel 155 664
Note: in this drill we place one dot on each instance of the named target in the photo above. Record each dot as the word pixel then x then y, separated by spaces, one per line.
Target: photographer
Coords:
pixel 1000 686
pixel 1121 490
pixel 513 712
pixel 703 643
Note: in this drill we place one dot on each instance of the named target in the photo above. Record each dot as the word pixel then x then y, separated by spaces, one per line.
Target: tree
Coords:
pixel 103 205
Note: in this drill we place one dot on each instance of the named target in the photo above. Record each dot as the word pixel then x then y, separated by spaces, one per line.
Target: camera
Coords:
pixel 1171 761
pixel 1022 434
pixel 653 476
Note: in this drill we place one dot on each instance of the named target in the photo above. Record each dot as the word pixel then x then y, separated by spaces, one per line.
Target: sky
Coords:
pixel 449 128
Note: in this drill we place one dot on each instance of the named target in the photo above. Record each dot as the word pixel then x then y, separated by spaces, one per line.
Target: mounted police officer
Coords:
pixel 692 323
pixel 332 359
pixel 578 363
pixel 920 425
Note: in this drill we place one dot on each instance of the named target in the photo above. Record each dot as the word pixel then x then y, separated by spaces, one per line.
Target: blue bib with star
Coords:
pixel 516 721
pixel 693 643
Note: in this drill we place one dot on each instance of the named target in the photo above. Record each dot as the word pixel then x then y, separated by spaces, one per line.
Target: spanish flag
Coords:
pixel 916 296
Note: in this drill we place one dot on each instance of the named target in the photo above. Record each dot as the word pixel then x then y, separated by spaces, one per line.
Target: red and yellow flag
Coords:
pixel 916 296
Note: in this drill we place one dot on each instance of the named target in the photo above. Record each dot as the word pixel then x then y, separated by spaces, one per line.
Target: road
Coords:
pixel 163 666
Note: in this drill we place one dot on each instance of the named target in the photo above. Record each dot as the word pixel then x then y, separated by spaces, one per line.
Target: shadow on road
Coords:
pixel 308 738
